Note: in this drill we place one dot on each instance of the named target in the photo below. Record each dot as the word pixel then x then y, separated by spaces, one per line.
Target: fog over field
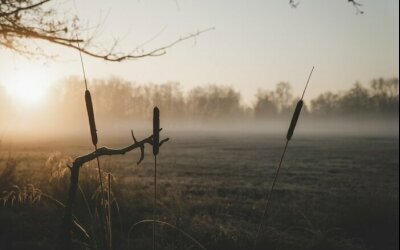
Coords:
pixel 364 110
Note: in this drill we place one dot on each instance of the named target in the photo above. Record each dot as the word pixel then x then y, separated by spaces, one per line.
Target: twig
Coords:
pixel 156 52
pixel 17 10
pixel 357 6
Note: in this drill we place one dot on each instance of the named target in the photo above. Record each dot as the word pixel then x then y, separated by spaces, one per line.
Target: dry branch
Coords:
pixel 65 233
pixel 78 162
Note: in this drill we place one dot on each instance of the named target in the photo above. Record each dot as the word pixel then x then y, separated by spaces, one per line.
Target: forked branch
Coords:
pixel 66 227
pixel 111 151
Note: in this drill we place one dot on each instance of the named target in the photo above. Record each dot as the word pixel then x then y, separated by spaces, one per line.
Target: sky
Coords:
pixel 255 44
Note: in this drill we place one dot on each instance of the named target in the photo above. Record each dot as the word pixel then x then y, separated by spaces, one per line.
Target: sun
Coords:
pixel 28 87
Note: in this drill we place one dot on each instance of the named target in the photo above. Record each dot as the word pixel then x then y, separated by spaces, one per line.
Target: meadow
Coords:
pixel 333 192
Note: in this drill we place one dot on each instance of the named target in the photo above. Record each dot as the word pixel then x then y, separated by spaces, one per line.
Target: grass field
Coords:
pixel 332 193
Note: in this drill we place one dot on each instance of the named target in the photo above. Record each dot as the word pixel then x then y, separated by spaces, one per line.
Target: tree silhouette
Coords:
pixel 283 97
pixel 265 106
pixel 214 102
pixel 325 104
pixel 381 99
pixel 385 95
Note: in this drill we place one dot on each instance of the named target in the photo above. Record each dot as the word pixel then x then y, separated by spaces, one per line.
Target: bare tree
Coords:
pixel 265 106
pixel 23 20
pixel 214 102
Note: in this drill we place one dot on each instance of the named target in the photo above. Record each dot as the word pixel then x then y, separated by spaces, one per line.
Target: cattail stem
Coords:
pixel 269 195
pixel 99 172
pixel 308 80
pixel 109 212
pixel 83 66
pixel 289 135
pixel 155 202
pixel 156 146
pixel 93 133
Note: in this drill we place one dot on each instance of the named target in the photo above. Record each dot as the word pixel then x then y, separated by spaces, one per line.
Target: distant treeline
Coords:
pixel 117 99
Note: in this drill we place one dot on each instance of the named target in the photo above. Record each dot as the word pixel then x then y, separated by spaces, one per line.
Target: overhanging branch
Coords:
pixel 115 57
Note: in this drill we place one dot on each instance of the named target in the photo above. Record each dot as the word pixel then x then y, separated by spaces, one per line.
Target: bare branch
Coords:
pixel 114 57
pixel 141 148
pixel 357 6
pixel 162 141
pixel 133 137
pixel 110 151
pixel 18 9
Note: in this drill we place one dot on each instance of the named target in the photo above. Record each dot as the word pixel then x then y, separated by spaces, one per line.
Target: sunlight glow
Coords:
pixel 27 88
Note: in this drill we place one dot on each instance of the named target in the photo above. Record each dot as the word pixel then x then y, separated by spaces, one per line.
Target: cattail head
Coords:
pixel 90 112
pixel 156 130
pixel 295 117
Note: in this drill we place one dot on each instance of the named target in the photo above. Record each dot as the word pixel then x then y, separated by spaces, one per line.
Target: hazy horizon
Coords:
pixel 363 110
